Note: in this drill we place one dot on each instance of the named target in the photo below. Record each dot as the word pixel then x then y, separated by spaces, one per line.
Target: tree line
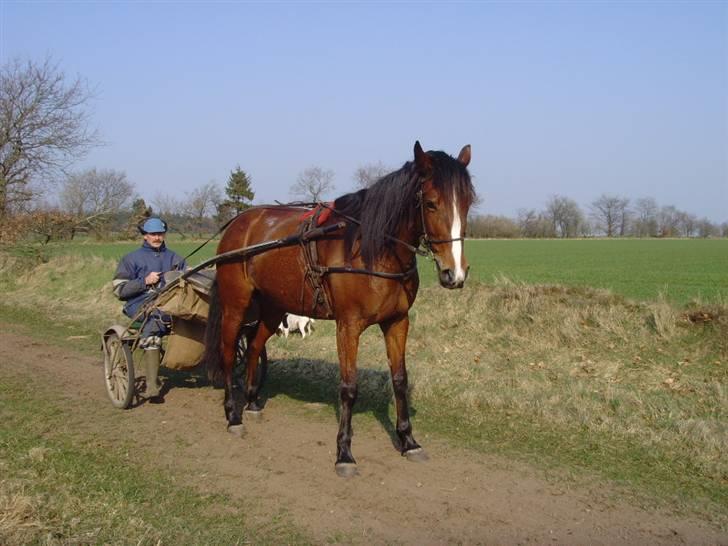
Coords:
pixel 45 130
pixel 606 216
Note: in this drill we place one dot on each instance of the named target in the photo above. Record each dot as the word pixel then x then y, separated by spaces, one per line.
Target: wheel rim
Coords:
pixel 117 371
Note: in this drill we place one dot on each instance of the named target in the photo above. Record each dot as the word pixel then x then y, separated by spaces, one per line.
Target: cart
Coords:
pixel 185 298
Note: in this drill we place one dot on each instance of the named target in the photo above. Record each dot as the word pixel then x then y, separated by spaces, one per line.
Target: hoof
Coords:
pixel 416 455
pixel 255 415
pixel 236 430
pixel 346 470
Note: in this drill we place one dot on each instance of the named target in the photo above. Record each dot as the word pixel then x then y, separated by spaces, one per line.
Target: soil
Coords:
pixel 284 464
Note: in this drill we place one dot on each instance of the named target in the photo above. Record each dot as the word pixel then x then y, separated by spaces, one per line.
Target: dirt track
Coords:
pixel 285 463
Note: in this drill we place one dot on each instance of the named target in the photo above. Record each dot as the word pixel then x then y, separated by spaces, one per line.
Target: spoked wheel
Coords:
pixel 239 369
pixel 118 371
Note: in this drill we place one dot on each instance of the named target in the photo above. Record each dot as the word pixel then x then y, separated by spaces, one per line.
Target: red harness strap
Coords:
pixel 324 214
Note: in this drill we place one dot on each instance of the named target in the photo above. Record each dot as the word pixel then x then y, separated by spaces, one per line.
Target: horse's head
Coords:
pixel 445 196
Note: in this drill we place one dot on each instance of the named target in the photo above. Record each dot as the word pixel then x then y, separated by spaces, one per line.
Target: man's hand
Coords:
pixel 152 278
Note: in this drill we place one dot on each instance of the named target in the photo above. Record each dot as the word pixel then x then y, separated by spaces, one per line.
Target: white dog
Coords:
pixel 296 323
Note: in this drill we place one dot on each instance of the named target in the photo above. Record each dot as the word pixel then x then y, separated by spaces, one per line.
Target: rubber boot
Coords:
pixel 151 370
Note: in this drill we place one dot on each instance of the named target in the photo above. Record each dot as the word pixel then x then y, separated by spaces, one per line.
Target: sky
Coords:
pixel 556 98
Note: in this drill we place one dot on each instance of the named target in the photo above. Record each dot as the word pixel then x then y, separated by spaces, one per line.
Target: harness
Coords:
pixel 315 272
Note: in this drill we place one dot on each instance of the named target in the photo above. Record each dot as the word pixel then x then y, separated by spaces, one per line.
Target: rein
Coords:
pixel 219 231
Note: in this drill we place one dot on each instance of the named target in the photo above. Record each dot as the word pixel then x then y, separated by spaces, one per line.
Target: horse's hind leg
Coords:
pixel 270 319
pixel 233 311
pixel 395 337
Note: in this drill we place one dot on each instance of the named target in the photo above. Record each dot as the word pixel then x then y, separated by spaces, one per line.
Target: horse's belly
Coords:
pixel 279 279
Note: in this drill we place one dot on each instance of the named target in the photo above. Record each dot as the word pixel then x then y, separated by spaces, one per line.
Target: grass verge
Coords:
pixel 56 489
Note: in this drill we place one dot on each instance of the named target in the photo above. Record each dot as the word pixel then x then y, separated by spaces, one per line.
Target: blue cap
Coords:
pixel 154 225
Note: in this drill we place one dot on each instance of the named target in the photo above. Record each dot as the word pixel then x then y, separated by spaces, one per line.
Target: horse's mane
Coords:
pixel 390 201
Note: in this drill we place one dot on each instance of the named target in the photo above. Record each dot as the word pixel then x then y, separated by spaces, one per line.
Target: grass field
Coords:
pixel 640 269
pixel 533 365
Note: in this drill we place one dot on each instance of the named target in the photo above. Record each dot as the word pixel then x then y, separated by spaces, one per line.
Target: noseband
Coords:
pixel 425 239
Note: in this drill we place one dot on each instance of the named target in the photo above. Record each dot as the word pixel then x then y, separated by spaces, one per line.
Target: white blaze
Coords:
pixel 457 246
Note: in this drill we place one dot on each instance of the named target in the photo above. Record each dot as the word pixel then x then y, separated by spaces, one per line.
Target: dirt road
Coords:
pixel 284 463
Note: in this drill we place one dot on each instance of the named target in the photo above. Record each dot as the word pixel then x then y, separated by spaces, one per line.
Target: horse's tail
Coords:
pixel 213 338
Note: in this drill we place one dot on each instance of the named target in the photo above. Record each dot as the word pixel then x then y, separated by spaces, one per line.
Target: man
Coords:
pixel 138 277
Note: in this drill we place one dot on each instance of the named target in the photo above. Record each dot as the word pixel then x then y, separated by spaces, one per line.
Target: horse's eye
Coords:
pixel 430 206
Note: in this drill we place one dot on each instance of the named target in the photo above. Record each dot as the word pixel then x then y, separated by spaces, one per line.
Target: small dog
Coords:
pixel 295 323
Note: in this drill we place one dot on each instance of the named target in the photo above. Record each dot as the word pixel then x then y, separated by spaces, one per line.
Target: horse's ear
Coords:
pixel 464 156
pixel 422 160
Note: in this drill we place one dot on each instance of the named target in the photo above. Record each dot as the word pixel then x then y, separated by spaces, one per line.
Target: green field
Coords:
pixel 682 270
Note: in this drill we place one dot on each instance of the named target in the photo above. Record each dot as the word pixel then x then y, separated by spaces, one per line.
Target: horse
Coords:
pixel 362 271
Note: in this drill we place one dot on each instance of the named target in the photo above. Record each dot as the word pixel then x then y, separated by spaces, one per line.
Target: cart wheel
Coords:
pixel 239 367
pixel 118 372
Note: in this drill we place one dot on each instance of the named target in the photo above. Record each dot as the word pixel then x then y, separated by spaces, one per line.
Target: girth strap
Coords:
pixel 312 272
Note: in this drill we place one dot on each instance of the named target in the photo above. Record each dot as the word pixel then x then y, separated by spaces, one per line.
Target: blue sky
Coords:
pixel 569 98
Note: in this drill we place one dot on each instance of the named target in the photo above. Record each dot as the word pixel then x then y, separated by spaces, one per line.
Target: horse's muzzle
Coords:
pixel 449 280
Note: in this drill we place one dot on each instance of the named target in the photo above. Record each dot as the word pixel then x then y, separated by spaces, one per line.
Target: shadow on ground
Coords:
pixel 310 381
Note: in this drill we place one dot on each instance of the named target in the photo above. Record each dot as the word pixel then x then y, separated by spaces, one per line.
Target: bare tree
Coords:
pixel 668 221
pixel 565 216
pixel 534 224
pixel 167 205
pixel 93 192
pixel 688 223
pixel 610 214
pixel 202 202
pixel 44 127
pixel 706 229
pixel 313 184
pixel 93 197
pixel 368 174
pixel 490 226
pixel 644 223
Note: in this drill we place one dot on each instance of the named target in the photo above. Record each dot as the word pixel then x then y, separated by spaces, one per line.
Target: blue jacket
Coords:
pixel 129 283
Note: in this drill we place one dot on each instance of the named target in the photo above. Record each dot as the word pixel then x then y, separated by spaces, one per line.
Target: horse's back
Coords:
pixel 278 275
pixel 259 225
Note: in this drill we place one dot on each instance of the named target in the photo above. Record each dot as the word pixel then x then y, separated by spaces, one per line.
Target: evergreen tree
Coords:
pixel 239 191
pixel 140 211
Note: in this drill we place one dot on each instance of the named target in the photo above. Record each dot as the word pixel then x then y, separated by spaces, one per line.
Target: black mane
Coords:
pixel 390 201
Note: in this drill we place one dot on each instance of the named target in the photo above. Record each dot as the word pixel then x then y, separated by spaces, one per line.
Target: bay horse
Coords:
pixel 362 271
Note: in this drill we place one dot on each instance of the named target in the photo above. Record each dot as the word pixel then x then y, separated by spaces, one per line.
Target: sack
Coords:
pixel 190 299
pixel 185 344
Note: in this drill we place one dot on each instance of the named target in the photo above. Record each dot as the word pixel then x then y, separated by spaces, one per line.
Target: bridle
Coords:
pixel 425 239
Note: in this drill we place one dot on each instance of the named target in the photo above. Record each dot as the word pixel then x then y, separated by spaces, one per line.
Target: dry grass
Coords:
pixel 581 365
pixel 19 514
pixel 66 288
pixel 574 361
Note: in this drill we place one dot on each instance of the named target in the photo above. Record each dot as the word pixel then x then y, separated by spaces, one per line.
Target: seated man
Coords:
pixel 138 278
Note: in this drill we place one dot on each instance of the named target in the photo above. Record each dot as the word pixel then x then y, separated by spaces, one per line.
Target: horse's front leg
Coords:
pixel 347 343
pixel 395 338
